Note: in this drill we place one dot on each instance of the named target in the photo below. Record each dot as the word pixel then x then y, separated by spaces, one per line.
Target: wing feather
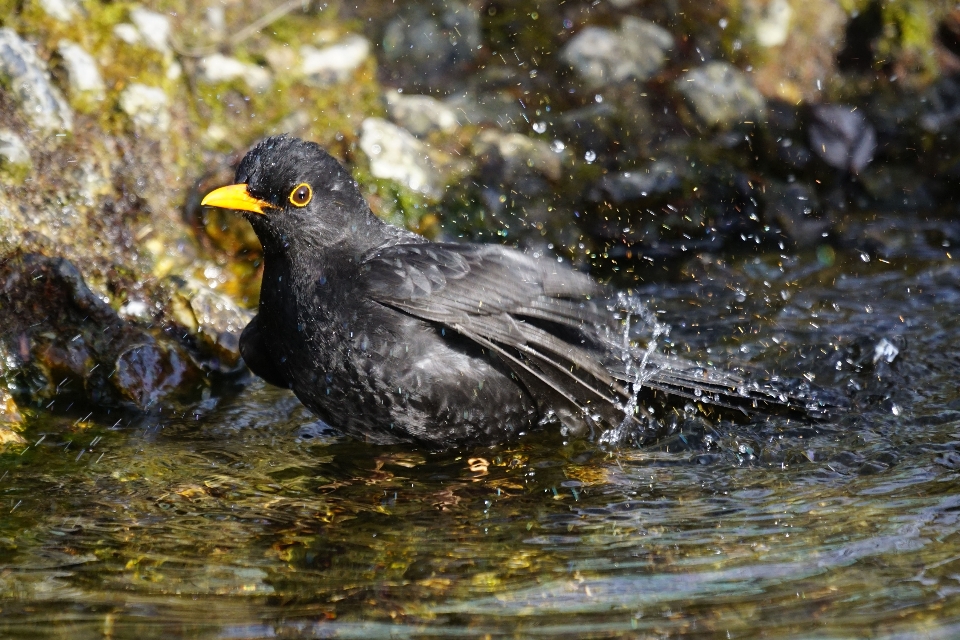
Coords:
pixel 550 324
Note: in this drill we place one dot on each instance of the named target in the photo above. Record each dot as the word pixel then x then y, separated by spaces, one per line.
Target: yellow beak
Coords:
pixel 235 196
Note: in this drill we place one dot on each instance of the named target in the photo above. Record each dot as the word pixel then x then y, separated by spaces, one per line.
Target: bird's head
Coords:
pixel 294 192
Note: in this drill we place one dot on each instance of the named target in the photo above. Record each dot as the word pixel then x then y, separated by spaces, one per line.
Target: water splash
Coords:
pixel 637 369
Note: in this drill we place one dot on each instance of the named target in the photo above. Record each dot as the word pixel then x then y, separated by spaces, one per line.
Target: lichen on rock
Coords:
pixel 25 76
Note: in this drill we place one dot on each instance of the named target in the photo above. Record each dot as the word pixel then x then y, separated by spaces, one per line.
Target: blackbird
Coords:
pixel 390 337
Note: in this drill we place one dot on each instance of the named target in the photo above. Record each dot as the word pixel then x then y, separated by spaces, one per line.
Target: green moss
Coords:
pixel 908 32
pixel 395 204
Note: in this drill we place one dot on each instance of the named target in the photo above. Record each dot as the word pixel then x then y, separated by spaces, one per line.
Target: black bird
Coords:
pixel 390 337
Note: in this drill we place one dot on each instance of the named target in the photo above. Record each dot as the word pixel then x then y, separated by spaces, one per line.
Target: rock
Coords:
pixel 423 45
pixel 154 28
pixel 807 36
pixel 220 68
pixel 771 23
pixel 842 137
pixel 395 154
pixel 499 108
pixel 793 153
pixel 721 95
pixel 421 115
pixel 9 437
pixel 335 63
pixel 602 57
pixel 61 10
pixel 64 341
pixel 145 373
pixel 214 317
pixel 127 32
pixel 282 59
pixel 603 129
pixel 944 105
pixel 512 156
pixel 25 76
pixel 10 418
pixel 795 208
pixel 656 179
pixel 15 161
pixel 147 107
pixel 216 19
pixel 83 74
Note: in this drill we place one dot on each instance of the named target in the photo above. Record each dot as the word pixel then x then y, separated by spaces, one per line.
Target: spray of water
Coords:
pixel 636 366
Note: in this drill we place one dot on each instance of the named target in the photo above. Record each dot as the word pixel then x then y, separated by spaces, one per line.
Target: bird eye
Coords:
pixel 301 196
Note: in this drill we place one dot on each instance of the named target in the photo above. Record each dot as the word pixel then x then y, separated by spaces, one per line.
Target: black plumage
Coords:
pixel 390 337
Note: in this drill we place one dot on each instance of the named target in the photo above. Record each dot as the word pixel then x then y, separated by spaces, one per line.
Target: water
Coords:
pixel 243 518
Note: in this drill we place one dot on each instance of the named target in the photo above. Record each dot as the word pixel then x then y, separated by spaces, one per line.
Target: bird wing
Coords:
pixel 558 330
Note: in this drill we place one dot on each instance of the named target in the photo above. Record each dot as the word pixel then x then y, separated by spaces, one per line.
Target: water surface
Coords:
pixel 241 517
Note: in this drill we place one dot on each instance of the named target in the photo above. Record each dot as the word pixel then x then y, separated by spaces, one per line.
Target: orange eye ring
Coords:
pixel 301 195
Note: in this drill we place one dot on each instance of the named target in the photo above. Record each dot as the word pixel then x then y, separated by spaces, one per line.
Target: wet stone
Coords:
pixel 145 373
pixel 10 418
pixel 25 76
pixel 842 137
pixel 15 162
pixel 509 157
pixel 148 108
pixel 594 127
pixel 602 56
pixel 64 340
pixel 214 318
pixel 657 179
pixel 334 63
pixel 220 68
pixel 83 74
pixel 721 95
pixel 395 154
pixel 498 108
pixel 421 115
